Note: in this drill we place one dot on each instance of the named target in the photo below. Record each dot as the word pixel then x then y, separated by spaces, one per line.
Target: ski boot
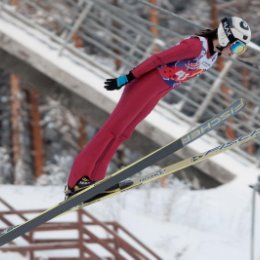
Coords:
pixel 85 182
pixel 82 184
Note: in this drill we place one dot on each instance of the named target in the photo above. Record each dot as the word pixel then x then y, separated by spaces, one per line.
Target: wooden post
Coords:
pixel 154 18
pixel 15 119
pixel 14 2
pixel 250 147
pixel 118 62
pixel 37 140
pixel 78 42
pixel 81 234
pixel 117 247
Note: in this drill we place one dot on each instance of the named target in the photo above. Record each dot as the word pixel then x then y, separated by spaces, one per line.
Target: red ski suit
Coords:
pixel 138 99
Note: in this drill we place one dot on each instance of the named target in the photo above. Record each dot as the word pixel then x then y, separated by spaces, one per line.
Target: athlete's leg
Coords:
pixel 134 101
pixel 101 166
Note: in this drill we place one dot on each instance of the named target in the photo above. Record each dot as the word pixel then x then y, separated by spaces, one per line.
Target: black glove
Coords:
pixel 117 83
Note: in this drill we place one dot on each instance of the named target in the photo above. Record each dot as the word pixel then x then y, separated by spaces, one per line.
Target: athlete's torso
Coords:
pixel 176 72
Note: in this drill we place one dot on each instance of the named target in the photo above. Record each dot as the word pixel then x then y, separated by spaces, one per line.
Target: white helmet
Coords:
pixel 231 29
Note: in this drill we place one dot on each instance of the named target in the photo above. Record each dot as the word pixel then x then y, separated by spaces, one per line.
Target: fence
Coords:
pixel 93 239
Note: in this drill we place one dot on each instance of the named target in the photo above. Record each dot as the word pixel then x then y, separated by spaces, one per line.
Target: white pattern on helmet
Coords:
pixel 235 26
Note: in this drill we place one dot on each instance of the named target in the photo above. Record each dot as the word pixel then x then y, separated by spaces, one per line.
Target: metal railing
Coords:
pixel 120 33
pixel 115 241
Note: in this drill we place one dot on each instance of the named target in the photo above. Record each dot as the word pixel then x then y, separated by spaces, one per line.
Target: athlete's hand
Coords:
pixel 118 83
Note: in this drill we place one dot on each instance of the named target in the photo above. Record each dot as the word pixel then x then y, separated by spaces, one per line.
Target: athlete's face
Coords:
pixel 227 51
pixel 236 47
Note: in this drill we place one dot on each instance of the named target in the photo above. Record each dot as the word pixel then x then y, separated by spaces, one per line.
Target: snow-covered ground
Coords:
pixel 177 223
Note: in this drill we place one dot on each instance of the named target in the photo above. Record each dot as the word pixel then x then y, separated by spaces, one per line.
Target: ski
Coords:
pixel 175 167
pixel 99 187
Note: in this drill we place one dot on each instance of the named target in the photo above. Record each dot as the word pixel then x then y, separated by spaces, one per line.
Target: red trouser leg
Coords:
pixel 101 167
pixel 137 101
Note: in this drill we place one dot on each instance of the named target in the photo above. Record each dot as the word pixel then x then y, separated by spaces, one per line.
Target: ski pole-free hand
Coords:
pixel 118 83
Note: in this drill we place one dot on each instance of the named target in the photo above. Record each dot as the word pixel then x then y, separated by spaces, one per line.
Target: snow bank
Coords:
pixel 176 222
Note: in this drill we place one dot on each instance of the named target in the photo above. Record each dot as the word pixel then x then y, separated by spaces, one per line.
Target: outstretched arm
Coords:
pixel 186 49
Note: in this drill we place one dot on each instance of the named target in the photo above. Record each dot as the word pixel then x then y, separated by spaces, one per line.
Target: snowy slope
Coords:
pixel 176 222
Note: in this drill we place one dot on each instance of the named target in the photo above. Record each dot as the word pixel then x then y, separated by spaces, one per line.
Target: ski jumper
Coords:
pixel 154 78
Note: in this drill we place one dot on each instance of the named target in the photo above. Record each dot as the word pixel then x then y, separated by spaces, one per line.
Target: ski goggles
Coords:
pixel 238 47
